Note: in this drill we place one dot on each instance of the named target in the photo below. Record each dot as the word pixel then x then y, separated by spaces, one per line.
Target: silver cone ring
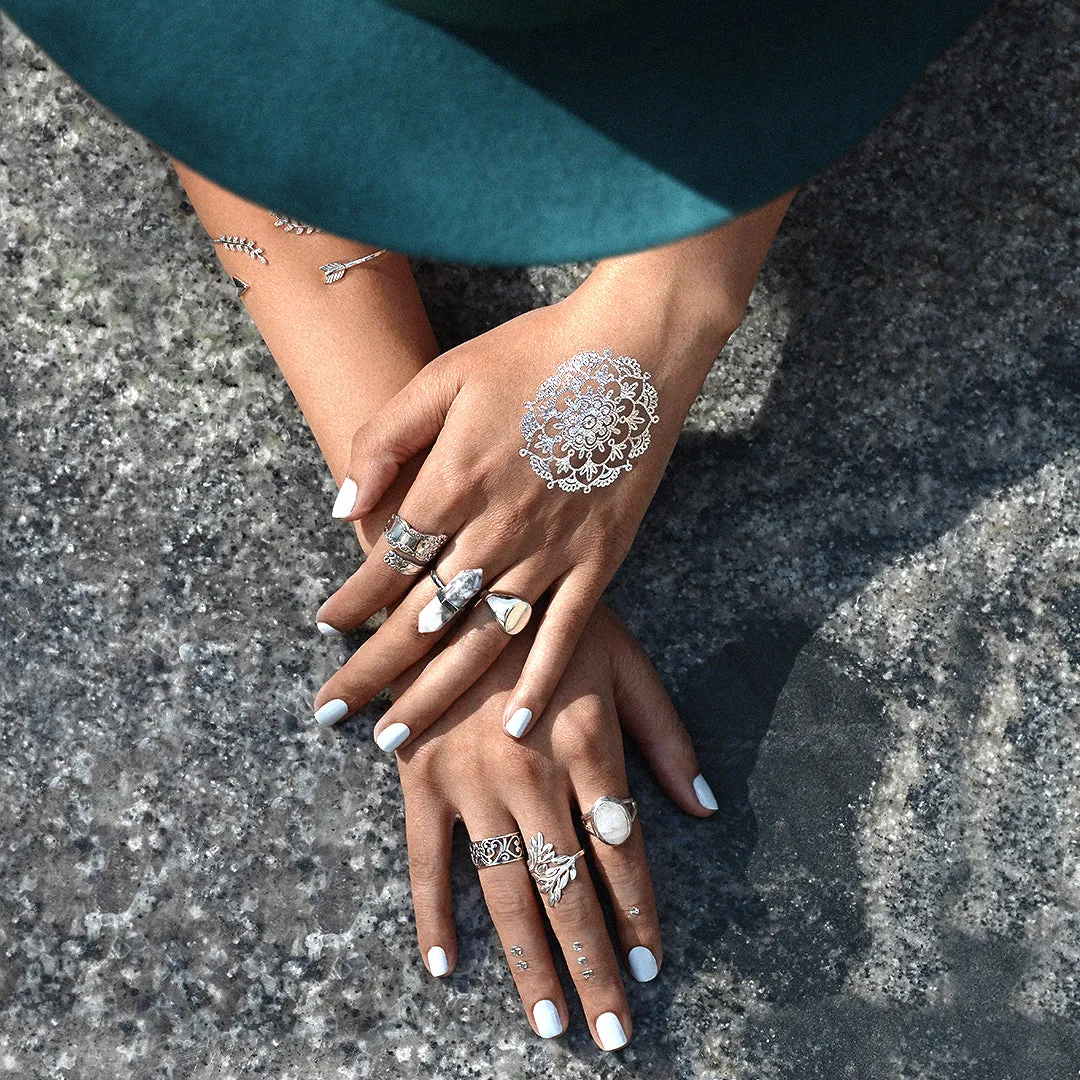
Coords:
pixel 511 612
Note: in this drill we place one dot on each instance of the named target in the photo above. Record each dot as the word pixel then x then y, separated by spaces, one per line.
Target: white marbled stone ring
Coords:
pixel 610 819
pixel 450 598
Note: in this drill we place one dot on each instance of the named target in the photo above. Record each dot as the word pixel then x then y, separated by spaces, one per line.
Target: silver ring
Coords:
pixel 511 612
pixel 401 564
pixel 413 544
pixel 610 819
pixel 551 872
pixel 449 599
pixel 496 850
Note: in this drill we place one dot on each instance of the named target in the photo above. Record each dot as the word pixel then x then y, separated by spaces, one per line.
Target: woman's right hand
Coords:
pixel 460 769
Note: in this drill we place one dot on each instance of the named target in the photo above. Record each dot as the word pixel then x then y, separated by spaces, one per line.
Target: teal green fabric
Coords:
pixel 506 12
pixel 500 146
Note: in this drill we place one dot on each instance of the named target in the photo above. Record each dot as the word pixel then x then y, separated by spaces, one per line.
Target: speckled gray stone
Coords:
pixel 860 579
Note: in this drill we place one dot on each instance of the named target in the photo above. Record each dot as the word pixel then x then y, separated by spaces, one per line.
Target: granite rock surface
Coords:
pixel 860 580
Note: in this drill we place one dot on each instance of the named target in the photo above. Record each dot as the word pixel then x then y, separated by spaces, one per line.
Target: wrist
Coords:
pixel 679 282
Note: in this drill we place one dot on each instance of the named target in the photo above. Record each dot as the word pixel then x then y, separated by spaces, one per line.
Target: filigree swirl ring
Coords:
pixel 496 850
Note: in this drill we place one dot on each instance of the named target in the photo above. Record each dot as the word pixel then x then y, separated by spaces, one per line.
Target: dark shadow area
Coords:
pixel 791 85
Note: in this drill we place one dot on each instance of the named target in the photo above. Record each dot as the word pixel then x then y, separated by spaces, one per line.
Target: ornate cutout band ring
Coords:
pixel 610 819
pixel 411 543
pixel 401 564
pixel 496 851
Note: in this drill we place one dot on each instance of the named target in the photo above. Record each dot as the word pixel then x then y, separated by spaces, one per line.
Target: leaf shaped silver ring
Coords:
pixel 551 872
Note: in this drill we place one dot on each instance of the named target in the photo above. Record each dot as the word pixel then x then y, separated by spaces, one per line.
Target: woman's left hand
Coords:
pixel 540 485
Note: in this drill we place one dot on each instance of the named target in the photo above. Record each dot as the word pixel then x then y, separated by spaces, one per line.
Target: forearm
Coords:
pixel 697 288
pixel 345 348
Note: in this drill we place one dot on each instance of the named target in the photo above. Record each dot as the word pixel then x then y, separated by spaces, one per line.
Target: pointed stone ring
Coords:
pixel 450 598
pixel 610 819
pixel 511 612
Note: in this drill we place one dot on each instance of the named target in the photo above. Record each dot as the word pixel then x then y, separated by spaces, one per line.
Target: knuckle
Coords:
pixel 427 875
pixel 507 896
pixel 528 770
pixel 583 729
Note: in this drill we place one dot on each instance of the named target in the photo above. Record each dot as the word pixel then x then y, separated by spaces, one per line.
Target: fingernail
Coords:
pixel 328 630
pixel 436 961
pixel 610 1032
pixel 390 738
pixel 517 723
pixel 642 964
pixel 704 793
pixel 547 1019
pixel 332 711
pixel 346 498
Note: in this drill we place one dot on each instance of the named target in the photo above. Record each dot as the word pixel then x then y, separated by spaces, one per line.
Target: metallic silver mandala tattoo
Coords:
pixel 589 421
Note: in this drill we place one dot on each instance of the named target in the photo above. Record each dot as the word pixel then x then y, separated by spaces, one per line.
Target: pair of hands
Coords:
pixel 557 549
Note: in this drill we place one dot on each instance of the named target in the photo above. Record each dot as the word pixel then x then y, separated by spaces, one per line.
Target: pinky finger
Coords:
pixel 571 604
pixel 650 719
pixel 429 830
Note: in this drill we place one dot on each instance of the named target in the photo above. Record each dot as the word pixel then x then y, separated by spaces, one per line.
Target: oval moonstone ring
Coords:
pixel 610 819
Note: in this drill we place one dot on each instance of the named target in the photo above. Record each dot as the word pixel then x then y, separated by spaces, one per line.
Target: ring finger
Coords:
pixel 577 920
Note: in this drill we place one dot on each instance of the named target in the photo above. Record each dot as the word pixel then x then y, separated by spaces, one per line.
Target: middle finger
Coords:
pixel 576 918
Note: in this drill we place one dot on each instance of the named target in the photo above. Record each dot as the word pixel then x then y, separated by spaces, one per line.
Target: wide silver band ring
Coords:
pixel 551 872
pixel 496 850
pixel 419 547
pixel 511 612
pixel 611 819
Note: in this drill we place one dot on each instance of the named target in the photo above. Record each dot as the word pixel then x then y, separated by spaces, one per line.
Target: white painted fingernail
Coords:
pixel 346 498
pixel 642 964
pixel 517 723
pixel 436 961
pixel 547 1019
pixel 328 630
pixel 332 711
pixel 610 1032
pixel 704 793
pixel 390 738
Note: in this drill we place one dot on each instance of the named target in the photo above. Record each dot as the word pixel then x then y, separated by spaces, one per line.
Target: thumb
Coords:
pixel 648 716
pixel 408 423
